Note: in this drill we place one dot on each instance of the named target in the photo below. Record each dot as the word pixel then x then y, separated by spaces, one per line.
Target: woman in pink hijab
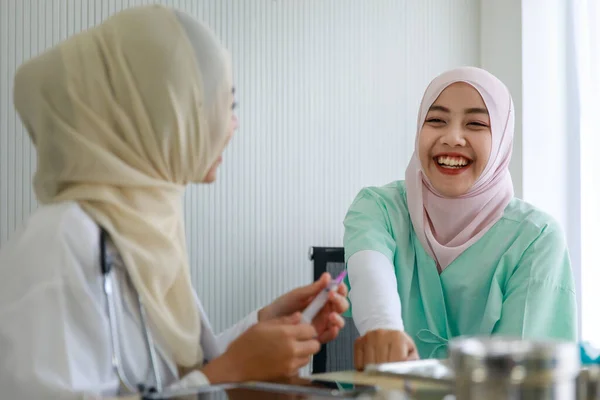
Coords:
pixel 450 251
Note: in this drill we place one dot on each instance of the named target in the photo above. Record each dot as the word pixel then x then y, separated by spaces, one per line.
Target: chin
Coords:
pixel 450 185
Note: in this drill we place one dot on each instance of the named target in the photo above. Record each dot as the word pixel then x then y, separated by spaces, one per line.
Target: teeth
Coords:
pixel 455 162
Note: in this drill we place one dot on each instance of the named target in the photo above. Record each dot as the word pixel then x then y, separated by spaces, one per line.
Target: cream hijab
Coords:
pixel 123 116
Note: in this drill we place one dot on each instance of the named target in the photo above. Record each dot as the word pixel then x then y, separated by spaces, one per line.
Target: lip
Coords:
pixel 451 171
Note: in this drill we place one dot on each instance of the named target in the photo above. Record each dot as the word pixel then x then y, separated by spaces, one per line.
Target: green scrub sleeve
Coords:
pixel 366 227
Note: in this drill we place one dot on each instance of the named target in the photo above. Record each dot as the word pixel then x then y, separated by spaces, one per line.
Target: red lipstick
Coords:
pixel 452 170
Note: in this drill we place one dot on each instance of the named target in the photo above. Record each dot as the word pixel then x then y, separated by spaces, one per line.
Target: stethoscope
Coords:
pixel 106 265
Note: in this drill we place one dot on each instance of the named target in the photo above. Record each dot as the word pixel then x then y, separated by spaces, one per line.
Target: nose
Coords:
pixel 454 136
pixel 235 122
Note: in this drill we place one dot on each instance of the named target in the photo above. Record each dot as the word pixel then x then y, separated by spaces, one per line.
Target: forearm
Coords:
pixel 374 292
pixel 221 370
pixel 232 333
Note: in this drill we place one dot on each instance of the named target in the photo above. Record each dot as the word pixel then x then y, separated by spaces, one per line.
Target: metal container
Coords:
pixel 588 383
pixel 495 368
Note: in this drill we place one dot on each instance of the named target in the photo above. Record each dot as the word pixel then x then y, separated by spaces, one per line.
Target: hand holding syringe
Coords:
pixel 320 300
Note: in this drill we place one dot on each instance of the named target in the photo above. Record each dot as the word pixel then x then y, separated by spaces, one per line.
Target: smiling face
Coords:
pixel 455 140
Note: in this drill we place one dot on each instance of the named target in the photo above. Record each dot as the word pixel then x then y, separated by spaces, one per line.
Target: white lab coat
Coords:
pixel 54 329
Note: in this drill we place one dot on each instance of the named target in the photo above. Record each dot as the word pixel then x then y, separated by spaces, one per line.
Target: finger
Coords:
pixel 325 277
pixel 306 348
pixel 305 301
pixel 413 356
pixel 292 319
pixel 382 352
pixel 342 289
pixel 336 320
pixel 329 334
pixel 369 356
pixel 359 356
pixel 302 331
pixel 314 288
pixel 413 353
pixel 399 350
pixel 338 303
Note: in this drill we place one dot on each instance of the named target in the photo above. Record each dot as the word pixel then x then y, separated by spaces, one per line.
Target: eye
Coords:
pixel 476 124
pixel 234 105
pixel 435 121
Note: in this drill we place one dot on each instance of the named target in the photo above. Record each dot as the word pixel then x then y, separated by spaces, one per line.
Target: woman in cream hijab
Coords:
pixel 123 116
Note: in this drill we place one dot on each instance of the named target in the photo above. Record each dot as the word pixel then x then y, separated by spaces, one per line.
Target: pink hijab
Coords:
pixel 467 218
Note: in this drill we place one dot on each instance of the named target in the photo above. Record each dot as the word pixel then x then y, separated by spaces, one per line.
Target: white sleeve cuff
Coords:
pixel 224 339
pixel 248 321
pixel 191 380
pixel 374 292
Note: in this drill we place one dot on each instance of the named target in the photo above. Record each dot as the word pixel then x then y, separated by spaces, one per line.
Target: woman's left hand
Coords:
pixel 327 322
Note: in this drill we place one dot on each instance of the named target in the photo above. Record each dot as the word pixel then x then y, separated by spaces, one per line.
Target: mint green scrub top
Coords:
pixel 515 281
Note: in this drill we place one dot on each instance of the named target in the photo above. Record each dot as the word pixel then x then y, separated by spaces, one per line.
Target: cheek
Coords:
pixel 229 135
pixel 234 124
pixel 482 144
pixel 426 142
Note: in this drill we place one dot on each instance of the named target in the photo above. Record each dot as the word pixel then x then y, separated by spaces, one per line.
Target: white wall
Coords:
pixel 584 141
pixel 328 93
pixel 551 146
pixel 545 85
pixel 501 55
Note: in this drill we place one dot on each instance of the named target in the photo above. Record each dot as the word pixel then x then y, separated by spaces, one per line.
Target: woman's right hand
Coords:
pixel 381 346
pixel 268 350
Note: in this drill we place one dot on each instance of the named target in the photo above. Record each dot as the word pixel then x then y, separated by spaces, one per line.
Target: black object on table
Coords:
pixel 337 355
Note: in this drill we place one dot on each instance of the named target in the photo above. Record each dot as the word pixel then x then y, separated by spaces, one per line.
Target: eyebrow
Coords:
pixel 233 90
pixel 474 110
